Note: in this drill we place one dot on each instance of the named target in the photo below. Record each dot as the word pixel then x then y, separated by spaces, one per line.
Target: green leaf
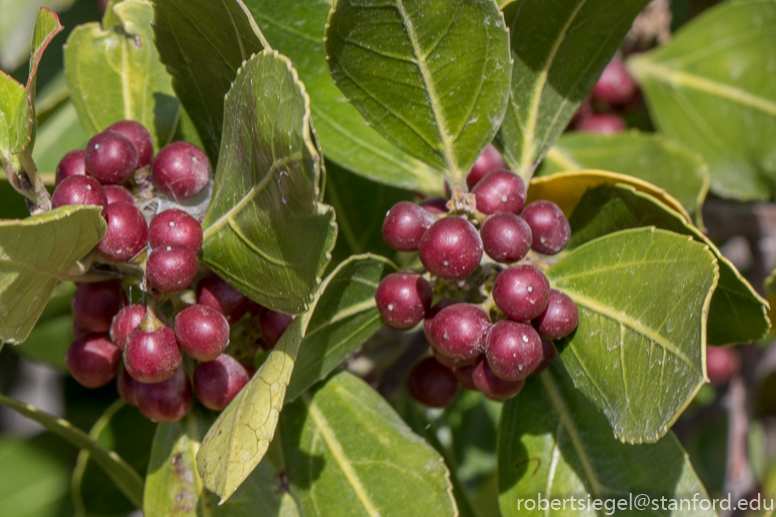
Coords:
pixel 203 43
pixel 652 158
pixel 737 313
pixel 266 231
pixel 123 475
pixel 50 338
pixel 60 133
pixel 348 453
pixel 433 79
pixel 115 74
pixel 639 351
pixel 36 252
pixel 553 442
pixel 559 49
pixel 296 30
pixel 720 100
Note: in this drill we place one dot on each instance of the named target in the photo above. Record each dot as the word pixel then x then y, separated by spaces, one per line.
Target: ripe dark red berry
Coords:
pixel 403 299
pixel 615 86
pixel 506 237
pixel 175 227
pixel 218 381
pixel 202 332
pixel 559 319
pixel 492 386
pixel 94 304
pixel 180 170
pixel 110 158
pixel 127 387
pixel 152 356
pixel 116 194
pixel 273 325
pixel 79 190
pixel 167 401
pixel 500 191
pixel 602 123
pixel 459 331
pixel 136 133
pixel 78 330
pixel 404 226
pixel 550 229
pixel 216 293
pixel 432 384
pixel 127 233
pixel 124 322
pixel 432 313
pixel 435 205
pixel 548 356
pixel 451 248
pixel 171 268
pixel 71 164
pixel 722 363
pixel 490 160
pixel 93 360
pixel 521 292
pixel 464 374
pixel 513 350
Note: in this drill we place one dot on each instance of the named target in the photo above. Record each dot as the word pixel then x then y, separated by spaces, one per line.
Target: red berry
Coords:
pixel 500 191
pixel 459 331
pixel 71 164
pixel 450 362
pixel 127 233
pixel 550 230
pixel 93 360
pixel 451 248
pixel 127 320
pixel 272 325
pixel 559 319
pixel 218 381
pixel 615 86
pixel 435 205
pixel 202 332
pixel 548 356
pixel 722 363
pixel 171 268
pixel 490 160
pixel 216 293
pixel 127 387
pixel 492 386
pixel 464 374
pixel 404 226
pixel 110 158
pixel 403 299
pixel 506 237
pixel 152 356
pixel 94 304
pixel 136 133
pixel 602 123
pixel 175 227
pixel 521 292
pixel 116 193
pixel 513 350
pixel 79 190
pixel 432 313
pixel 167 401
pixel 432 384
pixel 78 330
pixel 180 170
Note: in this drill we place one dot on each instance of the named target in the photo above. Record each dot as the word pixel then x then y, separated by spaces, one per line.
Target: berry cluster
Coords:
pixel 615 93
pixel 486 329
pixel 158 251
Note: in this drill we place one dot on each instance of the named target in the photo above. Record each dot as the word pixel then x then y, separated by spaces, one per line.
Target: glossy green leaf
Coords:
pixel 430 76
pixel 710 88
pixel 122 474
pixel 653 158
pixel 737 313
pixel 266 231
pixel 639 350
pixel 115 74
pixel 203 43
pixel 296 30
pixel 554 442
pixel 34 253
pixel 559 49
pixel 348 453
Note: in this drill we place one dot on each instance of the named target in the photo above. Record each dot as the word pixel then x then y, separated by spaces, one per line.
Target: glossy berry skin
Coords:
pixel 548 356
pixel 79 190
pixel 459 331
pixel 171 268
pixel 489 161
pixel 722 364
pixel 521 292
pixel 559 319
pixel 464 374
pixel 93 360
pixel 110 158
pixel 180 170
pixel 175 227
pixel 615 86
pixel 404 226
pixel 491 385
pixel 152 356
pixel 432 384
pixel 433 312
pixel 435 205
pixel 167 401
pixel 126 386
pixel 71 164
pixel 451 248
pixel 124 322
pixel 127 233
pixel 602 123
pixel 136 133
pixel 218 294
pixel 500 191
pixel 218 381
pixel 273 325
pixel 202 332
pixel 117 193
pixel 550 230
pixel 513 350
pixel 95 303
pixel 506 237
pixel 403 299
